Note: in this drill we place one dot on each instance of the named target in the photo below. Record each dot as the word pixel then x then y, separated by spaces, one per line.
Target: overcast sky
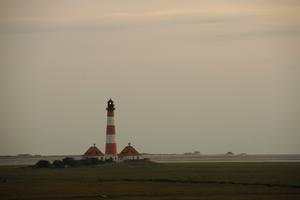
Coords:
pixel 206 75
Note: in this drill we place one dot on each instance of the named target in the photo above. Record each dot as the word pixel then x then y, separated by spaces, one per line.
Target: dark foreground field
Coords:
pixel 207 181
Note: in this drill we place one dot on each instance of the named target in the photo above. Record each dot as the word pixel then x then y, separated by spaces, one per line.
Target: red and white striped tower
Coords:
pixel 111 145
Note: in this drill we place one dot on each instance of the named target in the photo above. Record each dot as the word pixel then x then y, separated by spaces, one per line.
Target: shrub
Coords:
pixel 58 164
pixel 43 164
pixel 85 161
pixel 94 161
pixel 109 160
pixel 229 153
pixel 90 161
pixel 69 162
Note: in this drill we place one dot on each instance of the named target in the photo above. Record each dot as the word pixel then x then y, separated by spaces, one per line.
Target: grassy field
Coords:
pixel 209 181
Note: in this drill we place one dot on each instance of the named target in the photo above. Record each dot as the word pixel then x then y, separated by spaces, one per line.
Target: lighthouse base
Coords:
pixel 112 157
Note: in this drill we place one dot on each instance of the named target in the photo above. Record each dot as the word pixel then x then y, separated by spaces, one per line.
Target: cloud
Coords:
pixel 223 19
pixel 101 16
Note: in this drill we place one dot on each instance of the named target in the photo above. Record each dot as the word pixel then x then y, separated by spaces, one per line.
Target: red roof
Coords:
pixel 93 151
pixel 129 151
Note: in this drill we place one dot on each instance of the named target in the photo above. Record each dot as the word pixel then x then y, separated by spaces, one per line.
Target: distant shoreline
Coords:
pixel 145 154
pixel 166 158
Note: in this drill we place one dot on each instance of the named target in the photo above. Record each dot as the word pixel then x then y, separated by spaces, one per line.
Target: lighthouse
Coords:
pixel 111 145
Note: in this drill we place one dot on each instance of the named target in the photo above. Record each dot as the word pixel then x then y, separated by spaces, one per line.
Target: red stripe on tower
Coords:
pixel 110 113
pixel 110 130
pixel 111 145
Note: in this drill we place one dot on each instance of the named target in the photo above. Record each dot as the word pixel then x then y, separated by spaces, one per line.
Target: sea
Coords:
pixel 164 158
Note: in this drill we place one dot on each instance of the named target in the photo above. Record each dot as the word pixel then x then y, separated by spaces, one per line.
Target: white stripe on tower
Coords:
pixel 110 139
pixel 110 121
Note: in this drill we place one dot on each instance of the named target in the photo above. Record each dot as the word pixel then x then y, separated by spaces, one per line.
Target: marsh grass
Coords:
pixel 154 181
